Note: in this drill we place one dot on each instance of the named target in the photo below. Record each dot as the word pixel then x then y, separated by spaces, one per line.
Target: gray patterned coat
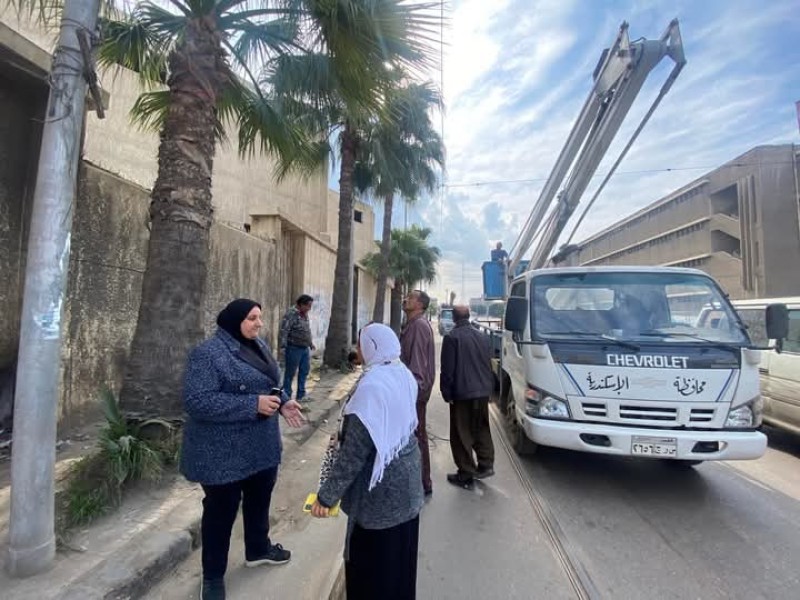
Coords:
pixel 224 438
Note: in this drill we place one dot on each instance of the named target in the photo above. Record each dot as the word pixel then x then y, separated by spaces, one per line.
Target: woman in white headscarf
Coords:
pixel 377 474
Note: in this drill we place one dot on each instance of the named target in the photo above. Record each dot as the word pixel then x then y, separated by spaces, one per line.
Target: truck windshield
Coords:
pixel 638 307
pixel 446 314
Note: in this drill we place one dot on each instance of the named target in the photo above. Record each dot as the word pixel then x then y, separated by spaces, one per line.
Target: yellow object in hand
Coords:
pixel 312 497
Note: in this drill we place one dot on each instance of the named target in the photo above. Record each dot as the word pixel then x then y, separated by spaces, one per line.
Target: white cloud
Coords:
pixel 517 72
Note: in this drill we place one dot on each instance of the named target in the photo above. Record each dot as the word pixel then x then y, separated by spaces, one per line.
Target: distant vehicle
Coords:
pixel 446 322
pixel 780 367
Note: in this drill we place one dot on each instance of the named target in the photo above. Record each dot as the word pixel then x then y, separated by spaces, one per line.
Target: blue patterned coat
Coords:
pixel 224 438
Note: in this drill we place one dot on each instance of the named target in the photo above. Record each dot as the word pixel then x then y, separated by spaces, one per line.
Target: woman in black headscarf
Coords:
pixel 232 442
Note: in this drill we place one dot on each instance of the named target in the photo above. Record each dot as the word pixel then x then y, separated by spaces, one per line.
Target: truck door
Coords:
pixel 513 361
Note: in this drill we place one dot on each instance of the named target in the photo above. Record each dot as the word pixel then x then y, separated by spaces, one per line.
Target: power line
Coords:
pixel 639 172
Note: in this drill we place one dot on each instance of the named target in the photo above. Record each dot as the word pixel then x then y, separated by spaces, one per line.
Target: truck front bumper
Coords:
pixel 605 439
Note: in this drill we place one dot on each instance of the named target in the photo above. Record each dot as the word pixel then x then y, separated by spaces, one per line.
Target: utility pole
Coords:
pixel 32 543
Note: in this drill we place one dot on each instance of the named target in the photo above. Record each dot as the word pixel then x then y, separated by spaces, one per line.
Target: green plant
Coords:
pixel 127 452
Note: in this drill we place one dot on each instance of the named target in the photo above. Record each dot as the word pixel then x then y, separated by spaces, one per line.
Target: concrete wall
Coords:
pixel 284 255
pixel 107 262
pixel 319 266
pixel 109 250
pixel 240 188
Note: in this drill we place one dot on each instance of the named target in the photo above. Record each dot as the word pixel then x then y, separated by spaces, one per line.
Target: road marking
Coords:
pixel 579 578
pixel 746 477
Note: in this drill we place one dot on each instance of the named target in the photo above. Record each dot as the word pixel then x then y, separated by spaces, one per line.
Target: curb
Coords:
pixel 149 556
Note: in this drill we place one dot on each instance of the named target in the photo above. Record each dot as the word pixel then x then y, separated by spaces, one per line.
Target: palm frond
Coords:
pixel 256 43
pixel 133 44
pixel 149 112
pixel 264 128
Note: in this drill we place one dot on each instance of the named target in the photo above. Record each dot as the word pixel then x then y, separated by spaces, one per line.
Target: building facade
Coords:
pixel 739 223
pixel 270 241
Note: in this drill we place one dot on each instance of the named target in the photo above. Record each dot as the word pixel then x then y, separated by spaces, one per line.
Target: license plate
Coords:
pixel 654 446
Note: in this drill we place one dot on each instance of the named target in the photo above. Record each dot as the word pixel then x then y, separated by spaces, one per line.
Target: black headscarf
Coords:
pixel 231 317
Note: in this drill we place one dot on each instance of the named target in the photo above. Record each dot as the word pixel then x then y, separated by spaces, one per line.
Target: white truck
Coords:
pixel 611 359
pixel 606 360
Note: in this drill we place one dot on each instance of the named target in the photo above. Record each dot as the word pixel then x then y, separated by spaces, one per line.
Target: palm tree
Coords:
pixel 334 93
pixel 411 260
pixel 399 155
pixel 194 59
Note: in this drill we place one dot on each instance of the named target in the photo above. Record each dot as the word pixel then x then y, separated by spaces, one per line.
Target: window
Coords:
pixel 638 306
pixel 518 289
pixel 358 216
pixel 755 319
pixel 580 298
pixel 792 341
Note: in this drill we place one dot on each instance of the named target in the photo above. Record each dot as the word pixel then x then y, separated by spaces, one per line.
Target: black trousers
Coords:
pixel 470 432
pixel 383 563
pixel 220 506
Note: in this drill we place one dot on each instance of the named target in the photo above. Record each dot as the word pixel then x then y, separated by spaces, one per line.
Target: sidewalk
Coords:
pixel 484 543
pixel 125 553
pixel 474 545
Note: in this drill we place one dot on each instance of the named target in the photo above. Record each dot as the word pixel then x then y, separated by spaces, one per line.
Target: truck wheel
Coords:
pixel 521 443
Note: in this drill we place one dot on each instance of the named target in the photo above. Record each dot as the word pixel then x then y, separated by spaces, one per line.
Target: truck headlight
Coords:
pixel 746 416
pixel 538 404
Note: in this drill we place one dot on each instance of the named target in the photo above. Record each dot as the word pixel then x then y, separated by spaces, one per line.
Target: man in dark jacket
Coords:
pixel 466 383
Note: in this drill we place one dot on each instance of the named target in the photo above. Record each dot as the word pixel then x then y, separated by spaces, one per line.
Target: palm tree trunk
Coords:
pixel 337 341
pixel 174 285
pixel 396 308
pixel 386 248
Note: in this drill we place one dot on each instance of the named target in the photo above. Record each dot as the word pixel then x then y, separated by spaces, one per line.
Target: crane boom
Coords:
pixel 618 79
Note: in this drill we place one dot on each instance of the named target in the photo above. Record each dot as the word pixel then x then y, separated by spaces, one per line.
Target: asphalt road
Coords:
pixel 640 528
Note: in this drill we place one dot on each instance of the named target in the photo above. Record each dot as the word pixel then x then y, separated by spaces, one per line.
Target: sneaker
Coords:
pixel 484 473
pixel 459 480
pixel 212 589
pixel 276 555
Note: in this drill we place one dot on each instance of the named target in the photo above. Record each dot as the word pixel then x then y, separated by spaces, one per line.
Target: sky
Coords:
pixel 516 73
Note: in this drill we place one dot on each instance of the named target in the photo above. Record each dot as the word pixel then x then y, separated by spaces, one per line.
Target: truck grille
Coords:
pixel 592 409
pixel 702 415
pixel 663 414
pixel 648 413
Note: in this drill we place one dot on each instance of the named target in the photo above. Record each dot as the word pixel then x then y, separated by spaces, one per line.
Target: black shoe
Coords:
pixel 276 555
pixel 459 480
pixel 484 473
pixel 212 589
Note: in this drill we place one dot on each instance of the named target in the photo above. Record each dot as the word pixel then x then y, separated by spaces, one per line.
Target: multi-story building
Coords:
pixel 739 223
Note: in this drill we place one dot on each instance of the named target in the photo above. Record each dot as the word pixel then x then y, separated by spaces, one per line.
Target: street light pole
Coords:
pixel 32 542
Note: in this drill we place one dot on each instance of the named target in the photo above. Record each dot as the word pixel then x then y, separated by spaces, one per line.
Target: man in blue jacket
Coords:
pixel 466 382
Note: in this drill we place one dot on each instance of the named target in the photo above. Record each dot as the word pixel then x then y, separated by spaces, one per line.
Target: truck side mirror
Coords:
pixel 516 314
pixel 777 323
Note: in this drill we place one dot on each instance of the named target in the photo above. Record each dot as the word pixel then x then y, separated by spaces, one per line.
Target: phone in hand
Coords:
pixel 312 497
pixel 276 391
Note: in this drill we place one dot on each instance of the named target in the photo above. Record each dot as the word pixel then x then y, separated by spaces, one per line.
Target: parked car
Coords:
pixel 446 322
pixel 780 367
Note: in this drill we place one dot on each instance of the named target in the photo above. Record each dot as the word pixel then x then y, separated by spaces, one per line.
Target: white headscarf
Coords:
pixel 385 399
